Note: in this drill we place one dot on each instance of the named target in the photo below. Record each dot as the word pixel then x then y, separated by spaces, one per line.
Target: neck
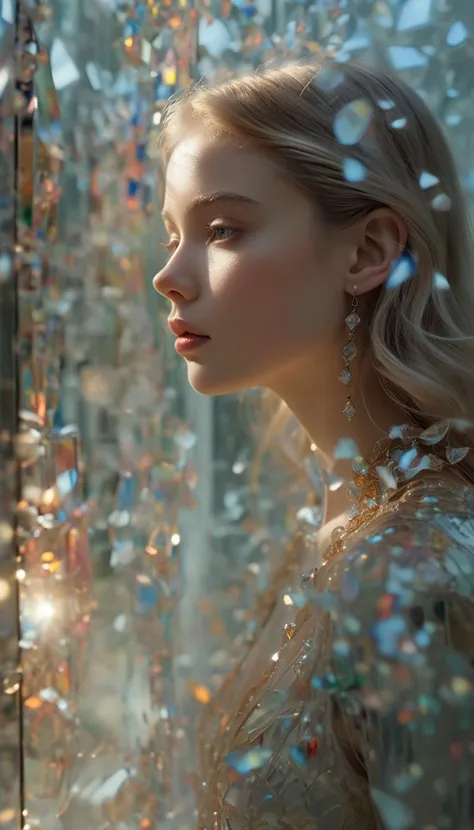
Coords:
pixel 319 411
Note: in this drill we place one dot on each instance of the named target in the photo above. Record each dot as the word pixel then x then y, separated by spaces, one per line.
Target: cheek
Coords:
pixel 285 287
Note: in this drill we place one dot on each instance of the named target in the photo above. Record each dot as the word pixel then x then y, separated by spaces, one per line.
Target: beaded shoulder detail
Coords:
pixel 397 459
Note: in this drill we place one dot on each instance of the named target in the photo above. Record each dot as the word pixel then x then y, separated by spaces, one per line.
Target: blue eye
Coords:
pixel 215 230
pixel 217 233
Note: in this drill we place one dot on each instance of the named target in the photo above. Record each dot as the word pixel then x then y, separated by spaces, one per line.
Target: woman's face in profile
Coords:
pixel 251 266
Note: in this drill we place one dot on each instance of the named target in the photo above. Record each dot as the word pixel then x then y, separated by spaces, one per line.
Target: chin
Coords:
pixel 208 383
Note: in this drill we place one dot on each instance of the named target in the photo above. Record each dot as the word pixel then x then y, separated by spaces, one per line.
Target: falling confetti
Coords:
pixel 427 180
pixel 354 170
pixel 440 283
pixel 414 14
pixel 441 202
pixel 407 57
pixel 458 33
pixel 403 269
pixel 399 123
pixel 352 122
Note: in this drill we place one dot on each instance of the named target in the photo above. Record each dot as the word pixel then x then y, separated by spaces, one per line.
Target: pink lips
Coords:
pixel 188 339
pixel 190 342
pixel 180 327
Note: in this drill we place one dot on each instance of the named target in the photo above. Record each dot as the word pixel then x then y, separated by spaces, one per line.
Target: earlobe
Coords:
pixel 370 277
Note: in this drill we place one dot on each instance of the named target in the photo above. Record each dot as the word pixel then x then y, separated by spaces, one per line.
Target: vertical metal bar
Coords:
pixel 10 721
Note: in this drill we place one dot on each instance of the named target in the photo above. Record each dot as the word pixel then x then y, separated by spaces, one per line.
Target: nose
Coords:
pixel 175 282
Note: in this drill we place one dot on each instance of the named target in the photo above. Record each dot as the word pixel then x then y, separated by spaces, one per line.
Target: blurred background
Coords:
pixel 137 556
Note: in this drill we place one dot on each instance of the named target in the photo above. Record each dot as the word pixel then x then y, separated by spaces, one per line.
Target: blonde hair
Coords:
pixel 420 331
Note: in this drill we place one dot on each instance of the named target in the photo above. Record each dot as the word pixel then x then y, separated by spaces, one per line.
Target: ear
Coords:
pixel 379 239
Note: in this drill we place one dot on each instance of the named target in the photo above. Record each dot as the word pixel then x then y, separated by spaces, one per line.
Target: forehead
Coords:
pixel 201 165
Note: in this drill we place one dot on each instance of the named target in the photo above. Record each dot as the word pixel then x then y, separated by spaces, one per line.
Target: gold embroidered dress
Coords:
pixel 363 717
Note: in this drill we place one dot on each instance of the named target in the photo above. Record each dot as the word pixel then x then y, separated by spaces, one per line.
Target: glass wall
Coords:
pixel 10 716
pixel 137 558
pixel 96 445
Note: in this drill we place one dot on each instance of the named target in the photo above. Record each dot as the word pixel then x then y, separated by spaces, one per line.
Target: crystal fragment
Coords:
pixel 328 78
pixel 6 264
pixel 456 454
pixel 414 14
pixel 298 756
pixel 403 269
pixel 386 475
pixel 352 321
pixel 345 448
pixel 360 465
pixel 386 104
pixel 442 202
pixel 349 411
pixel 395 813
pixel 311 516
pixel 345 376
pixel 248 760
pixel 349 351
pixel 407 57
pixel 185 439
pixel 434 433
pixel 397 432
pixel 407 459
pixel 354 170
pixel 427 180
pixel 334 482
pixel 353 491
pixel 289 630
pixel 457 34
pixel 337 534
pixel 440 283
pixel 352 122
pixel 399 123
pixel 63 68
pixel 305 581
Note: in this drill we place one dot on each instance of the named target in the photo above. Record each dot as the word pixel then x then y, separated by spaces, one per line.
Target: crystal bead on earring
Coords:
pixel 348 353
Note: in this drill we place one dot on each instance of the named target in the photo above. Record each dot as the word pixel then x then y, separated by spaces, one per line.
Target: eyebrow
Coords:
pixel 211 198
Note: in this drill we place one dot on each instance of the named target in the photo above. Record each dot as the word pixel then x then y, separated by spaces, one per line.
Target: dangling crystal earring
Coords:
pixel 348 353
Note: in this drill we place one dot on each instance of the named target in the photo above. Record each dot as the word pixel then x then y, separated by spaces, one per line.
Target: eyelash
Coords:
pixel 172 243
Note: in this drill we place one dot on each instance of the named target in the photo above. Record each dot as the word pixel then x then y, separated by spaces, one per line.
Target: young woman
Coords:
pixel 319 249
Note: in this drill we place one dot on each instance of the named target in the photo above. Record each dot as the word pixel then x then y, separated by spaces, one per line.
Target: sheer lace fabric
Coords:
pixel 359 714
